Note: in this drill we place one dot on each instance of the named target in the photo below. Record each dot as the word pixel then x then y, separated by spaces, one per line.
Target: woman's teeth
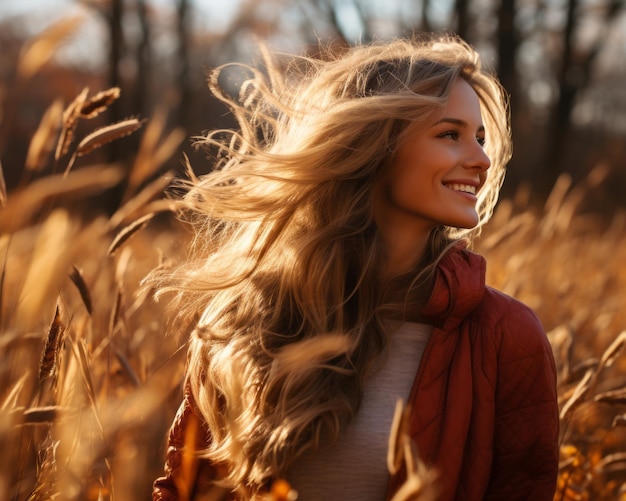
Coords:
pixel 465 188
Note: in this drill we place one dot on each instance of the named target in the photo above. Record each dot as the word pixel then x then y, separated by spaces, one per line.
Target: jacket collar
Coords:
pixel 459 285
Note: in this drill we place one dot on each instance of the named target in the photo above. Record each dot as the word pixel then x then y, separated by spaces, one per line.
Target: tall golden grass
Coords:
pixel 90 380
pixel 86 368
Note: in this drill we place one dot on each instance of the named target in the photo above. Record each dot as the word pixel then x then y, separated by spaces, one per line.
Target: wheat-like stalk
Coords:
pixel 71 114
pixel 43 141
pixel 3 187
pixel 23 205
pixel 51 353
pixel 420 483
pixel 99 103
pixel 154 150
pixel 152 190
pixel 84 108
pixel 39 50
pixel 116 312
pixel 107 134
pixel 102 136
pixel 127 232
pixel 79 281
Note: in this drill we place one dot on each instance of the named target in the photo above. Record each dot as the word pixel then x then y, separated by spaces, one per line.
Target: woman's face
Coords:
pixel 438 169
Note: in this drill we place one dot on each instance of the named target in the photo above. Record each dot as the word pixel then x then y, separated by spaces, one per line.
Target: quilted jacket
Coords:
pixel 483 405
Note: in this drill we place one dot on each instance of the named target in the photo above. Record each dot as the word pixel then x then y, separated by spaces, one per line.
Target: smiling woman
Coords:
pixel 433 179
pixel 331 276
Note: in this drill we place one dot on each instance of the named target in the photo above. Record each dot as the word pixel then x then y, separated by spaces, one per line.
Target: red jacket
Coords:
pixel 483 405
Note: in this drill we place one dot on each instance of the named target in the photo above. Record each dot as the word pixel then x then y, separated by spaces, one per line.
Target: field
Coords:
pixel 90 379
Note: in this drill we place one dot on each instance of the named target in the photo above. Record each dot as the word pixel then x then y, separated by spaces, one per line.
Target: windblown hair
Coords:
pixel 286 268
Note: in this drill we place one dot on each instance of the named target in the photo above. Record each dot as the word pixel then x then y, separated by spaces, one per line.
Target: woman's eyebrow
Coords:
pixel 456 121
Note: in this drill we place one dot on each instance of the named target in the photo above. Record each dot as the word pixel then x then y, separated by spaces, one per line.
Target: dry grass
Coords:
pixel 89 380
pixel 87 377
pixel 567 266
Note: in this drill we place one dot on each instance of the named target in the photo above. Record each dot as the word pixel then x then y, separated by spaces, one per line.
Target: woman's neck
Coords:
pixel 403 251
pixel 405 240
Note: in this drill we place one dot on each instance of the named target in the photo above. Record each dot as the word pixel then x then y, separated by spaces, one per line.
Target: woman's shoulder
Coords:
pixel 503 307
pixel 512 324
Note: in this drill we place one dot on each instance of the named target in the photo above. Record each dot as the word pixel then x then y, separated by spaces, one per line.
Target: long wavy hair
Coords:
pixel 285 270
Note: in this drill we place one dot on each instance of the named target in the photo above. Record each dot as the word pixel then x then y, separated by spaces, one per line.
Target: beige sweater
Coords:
pixel 355 468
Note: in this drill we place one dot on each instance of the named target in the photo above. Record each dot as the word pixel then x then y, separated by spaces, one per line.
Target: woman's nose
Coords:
pixel 477 158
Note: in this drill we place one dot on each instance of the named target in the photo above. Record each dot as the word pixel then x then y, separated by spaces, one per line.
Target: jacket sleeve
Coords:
pixel 185 473
pixel 525 461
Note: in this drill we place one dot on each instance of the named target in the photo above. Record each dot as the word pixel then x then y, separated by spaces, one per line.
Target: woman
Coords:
pixel 332 276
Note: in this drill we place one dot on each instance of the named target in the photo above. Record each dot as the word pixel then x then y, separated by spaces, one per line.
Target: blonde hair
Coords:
pixel 287 255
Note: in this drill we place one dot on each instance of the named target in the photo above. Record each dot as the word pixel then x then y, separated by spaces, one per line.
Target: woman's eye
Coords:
pixel 452 134
pixel 481 141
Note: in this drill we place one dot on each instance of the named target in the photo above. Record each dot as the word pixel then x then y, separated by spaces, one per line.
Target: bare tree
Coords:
pixel 574 75
pixel 114 19
pixel 507 45
pixel 426 26
pixel 144 60
pixel 182 77
pixel 461 8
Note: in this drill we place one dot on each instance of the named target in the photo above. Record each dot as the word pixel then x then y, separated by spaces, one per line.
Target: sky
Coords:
pixel 44 11
pixel 12 7
pixel 86 47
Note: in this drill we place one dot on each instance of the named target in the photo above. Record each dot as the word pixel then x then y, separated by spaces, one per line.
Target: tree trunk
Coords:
pixel 116 38
pixel 573 76
pixel 462 18
pixel 426 25
pixel 144 61
pixel 507 49
pixel 183 61
pixel 567 82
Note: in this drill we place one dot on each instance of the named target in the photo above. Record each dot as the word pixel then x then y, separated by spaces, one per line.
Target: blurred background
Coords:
pixel 89 380
pixel 562 61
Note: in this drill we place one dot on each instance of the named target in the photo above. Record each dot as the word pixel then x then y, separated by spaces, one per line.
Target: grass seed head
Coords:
pixel 79 281
pixel 107 134
pixel 99 103
pixel 127 232
pixel 51 352
pixel 70 120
